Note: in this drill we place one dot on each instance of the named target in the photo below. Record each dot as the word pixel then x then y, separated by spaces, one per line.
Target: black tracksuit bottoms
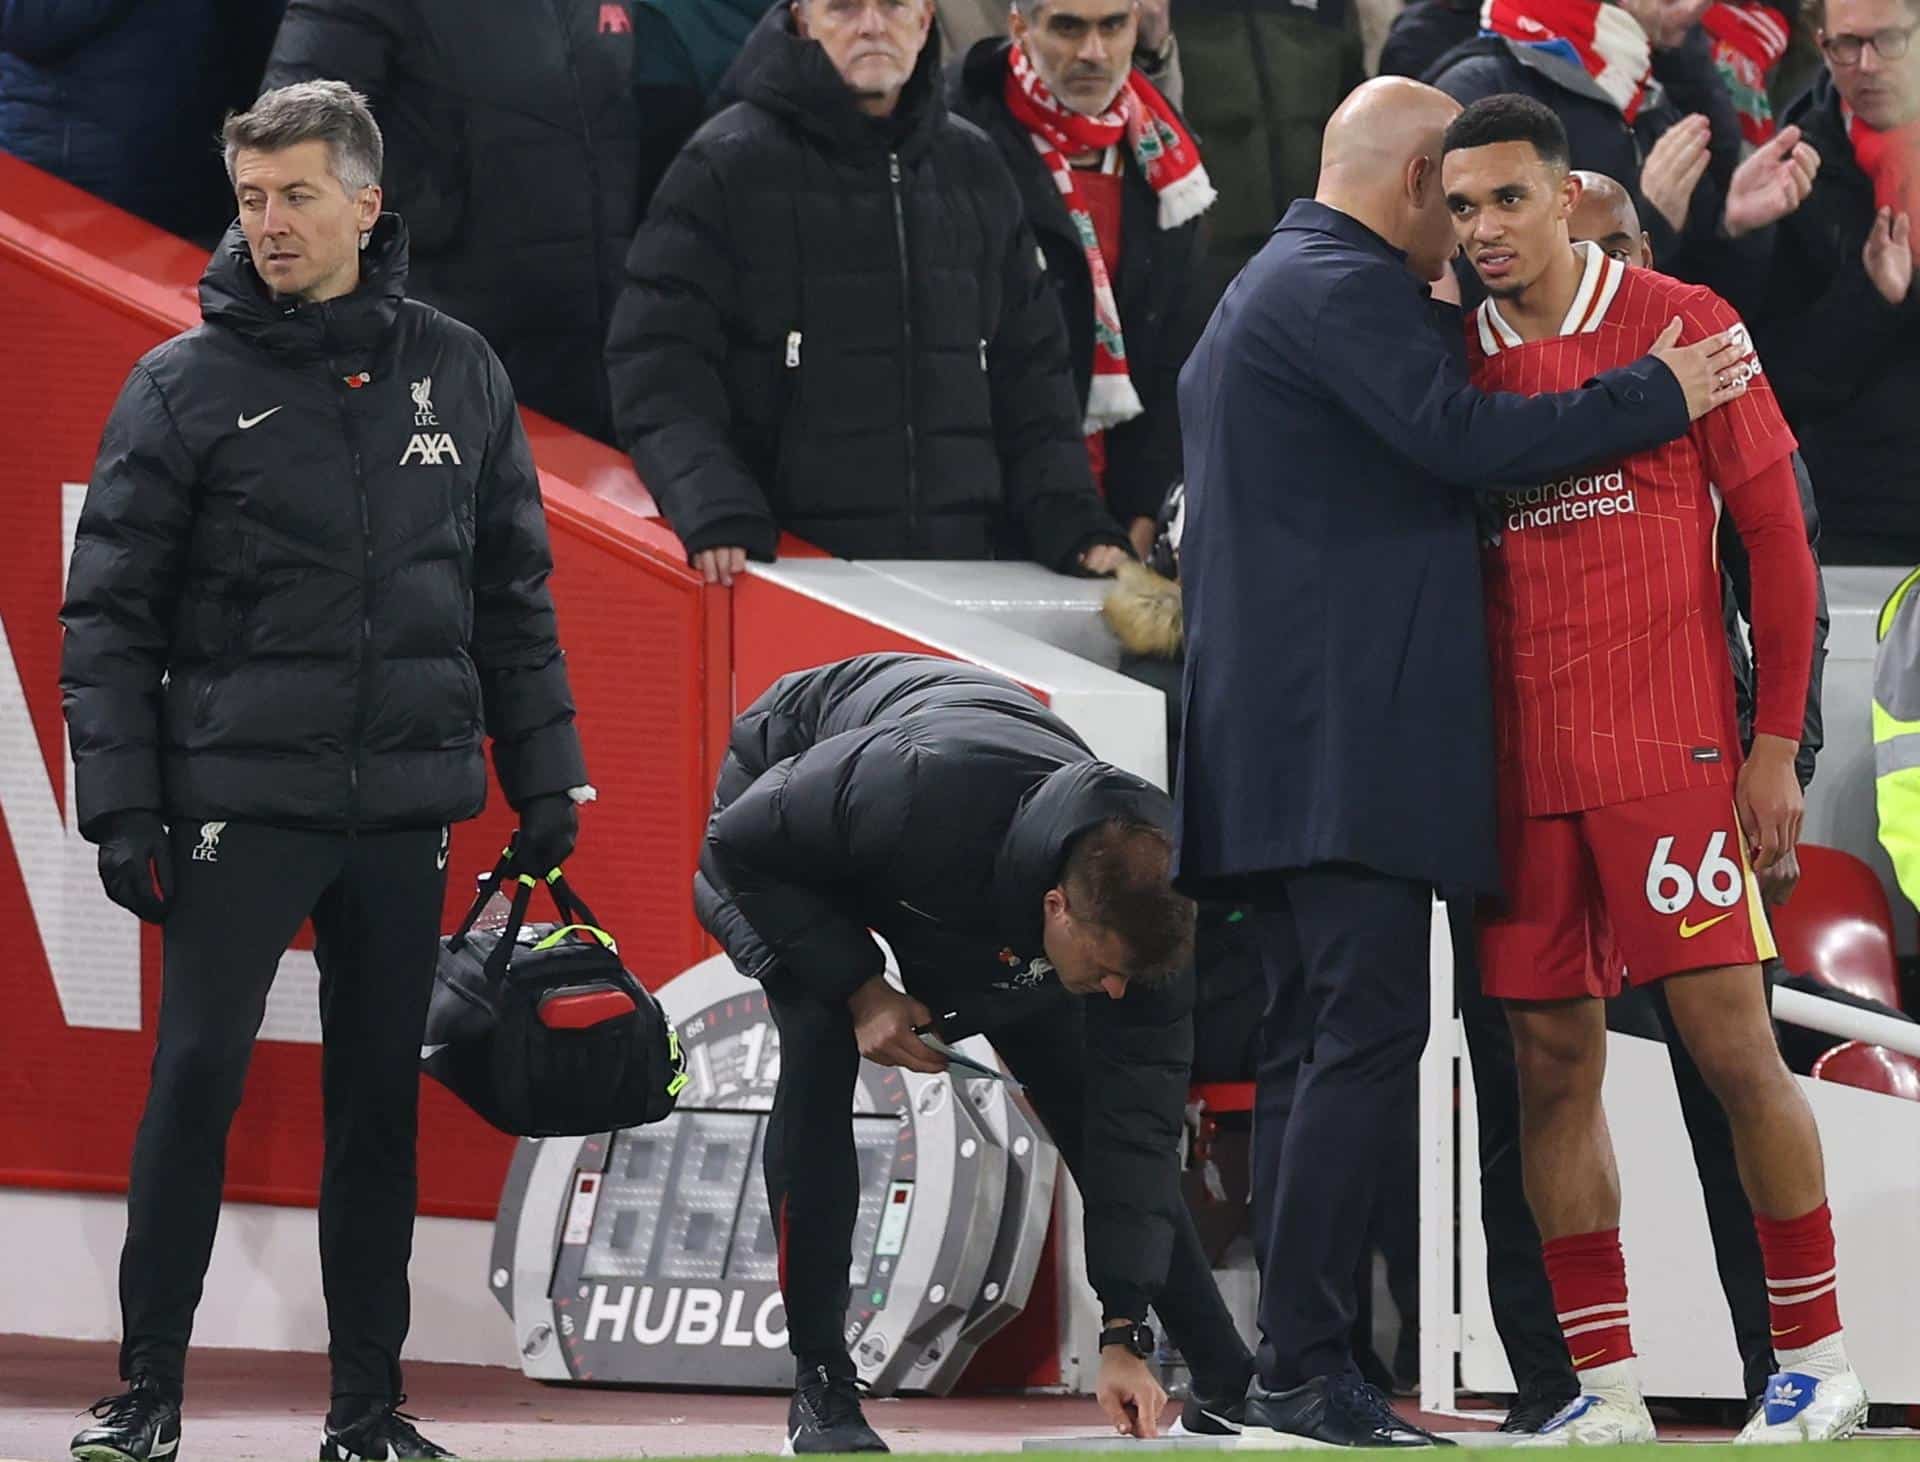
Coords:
pixel 242 892
pixel 812 1177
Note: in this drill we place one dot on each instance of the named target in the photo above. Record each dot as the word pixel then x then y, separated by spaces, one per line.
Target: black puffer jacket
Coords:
pixel 301 601
pixel 835 325
pixel 513 151
pixel 933 803
pixel 1156 288
pixel 1846 364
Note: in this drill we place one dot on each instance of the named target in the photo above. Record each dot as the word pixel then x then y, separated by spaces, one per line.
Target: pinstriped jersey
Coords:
pixel 1611 678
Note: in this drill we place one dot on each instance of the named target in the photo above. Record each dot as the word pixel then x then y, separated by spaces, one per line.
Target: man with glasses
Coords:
pixel 1835 313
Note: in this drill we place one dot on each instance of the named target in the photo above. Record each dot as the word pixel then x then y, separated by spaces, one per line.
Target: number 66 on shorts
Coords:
pixel 1635 891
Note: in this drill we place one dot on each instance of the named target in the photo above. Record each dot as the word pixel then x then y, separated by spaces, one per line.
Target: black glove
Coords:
pixel 136 864
pixel 549 824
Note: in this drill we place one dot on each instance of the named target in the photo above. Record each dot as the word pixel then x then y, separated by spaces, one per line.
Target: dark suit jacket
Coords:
pixel 1336 682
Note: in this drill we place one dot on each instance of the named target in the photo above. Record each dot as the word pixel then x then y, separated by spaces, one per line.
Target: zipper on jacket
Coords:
pixel 363 692
pixel 793 350
pixel 906 336
pixel 983 355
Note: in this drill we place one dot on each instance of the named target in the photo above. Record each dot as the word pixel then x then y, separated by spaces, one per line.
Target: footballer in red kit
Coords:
pixel 1630 824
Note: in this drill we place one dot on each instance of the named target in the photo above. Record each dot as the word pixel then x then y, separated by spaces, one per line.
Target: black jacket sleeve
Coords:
pixel 1824 348
pixel 123 589
pixel 792 852
pixel 1036 419
pixel 1735 568
pixel 1139 1058
pixel 1374 351
pixel 516 647
pixel 666 357
pixel 340 40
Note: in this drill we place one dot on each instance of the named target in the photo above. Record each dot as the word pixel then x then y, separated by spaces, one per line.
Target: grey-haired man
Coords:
pixel 309 582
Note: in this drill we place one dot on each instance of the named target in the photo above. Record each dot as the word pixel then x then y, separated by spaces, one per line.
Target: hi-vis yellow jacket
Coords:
pixel 1896 733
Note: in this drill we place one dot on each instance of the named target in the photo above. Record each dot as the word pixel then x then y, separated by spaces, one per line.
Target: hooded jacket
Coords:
pixel 513 137
pixel 836 325
pixel 934 803
pixel 311 571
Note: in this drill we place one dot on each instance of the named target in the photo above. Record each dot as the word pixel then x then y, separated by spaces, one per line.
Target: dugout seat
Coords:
pixel 1837 926
pixel 1871 1068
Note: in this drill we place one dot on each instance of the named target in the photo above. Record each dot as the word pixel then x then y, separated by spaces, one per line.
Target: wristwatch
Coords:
pixel 1133 1337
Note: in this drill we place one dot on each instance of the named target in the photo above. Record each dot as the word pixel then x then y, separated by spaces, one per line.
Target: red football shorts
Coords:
pixel 1636 892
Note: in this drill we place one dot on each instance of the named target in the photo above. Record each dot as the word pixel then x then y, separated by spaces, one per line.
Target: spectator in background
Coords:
pixel 1266 75
pixel 512 152
pixel 1114 189
pixel 964 24
pixel 1647 64
pixel 1834 311
pixel 124 98
pixel 834 321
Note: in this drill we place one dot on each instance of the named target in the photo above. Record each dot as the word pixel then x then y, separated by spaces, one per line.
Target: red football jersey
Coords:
pixel 1610 671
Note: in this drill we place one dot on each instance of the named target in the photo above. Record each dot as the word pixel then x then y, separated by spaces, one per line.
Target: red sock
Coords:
pixel 1589 1278
pixel 1801 1282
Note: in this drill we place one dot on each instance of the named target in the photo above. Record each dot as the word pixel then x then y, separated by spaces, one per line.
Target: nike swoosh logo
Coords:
pixel 1581 1360
pixel 252 421
pixel 1778 1333
pixel 427 1053
pixel 1687 931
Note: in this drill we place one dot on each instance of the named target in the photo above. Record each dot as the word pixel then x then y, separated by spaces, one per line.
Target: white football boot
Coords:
pixel 1609 1412
pixel 1803 1408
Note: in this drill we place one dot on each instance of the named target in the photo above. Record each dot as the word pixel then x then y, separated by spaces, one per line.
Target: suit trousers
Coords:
pixel 1345 954
pixel 242 891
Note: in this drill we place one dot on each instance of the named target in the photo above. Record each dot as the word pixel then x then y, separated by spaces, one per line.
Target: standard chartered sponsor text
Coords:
pixel 1570 500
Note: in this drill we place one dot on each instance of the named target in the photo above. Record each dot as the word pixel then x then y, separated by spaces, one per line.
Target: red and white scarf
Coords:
pixel 1748 39
pixel 1167 156
pixel 1603 38
pixel 1892 159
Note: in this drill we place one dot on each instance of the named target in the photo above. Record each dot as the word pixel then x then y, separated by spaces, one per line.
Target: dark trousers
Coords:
pixel 240 898
pixel 1522 1301
pixel 812 1180
pixel 1345 953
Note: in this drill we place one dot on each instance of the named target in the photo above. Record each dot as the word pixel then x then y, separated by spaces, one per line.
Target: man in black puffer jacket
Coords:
pixel 514 143
pixel 945 809
pixel 309 581
pixel 834 321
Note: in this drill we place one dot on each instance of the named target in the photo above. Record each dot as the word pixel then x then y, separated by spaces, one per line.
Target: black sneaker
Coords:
pixel 384 1434
pixel 1536 1405
pixel 141 1424
pixel 1331 1411
pixel 1200 1417
pixel 825 1416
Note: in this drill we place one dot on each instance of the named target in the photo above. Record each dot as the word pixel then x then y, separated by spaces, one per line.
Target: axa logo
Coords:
pixel 431 449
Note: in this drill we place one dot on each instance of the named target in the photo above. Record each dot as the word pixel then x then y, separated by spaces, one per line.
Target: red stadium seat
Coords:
pixel 1838 928
pixel 1872 1068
